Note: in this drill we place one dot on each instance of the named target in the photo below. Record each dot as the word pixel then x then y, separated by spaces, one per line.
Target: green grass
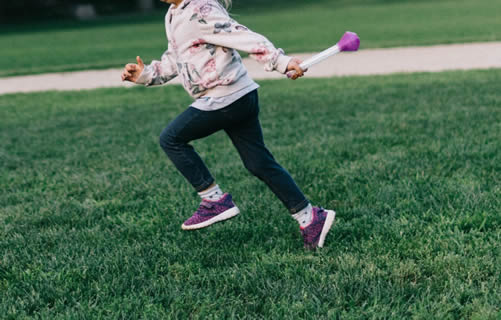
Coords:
pixel 295 26
pixel 90 208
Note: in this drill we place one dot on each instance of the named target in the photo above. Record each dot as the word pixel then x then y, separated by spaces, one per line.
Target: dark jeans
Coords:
pixel 240 121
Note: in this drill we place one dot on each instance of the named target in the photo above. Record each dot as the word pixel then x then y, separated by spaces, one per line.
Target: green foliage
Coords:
pixel 307 27
pixel 39 10
pixel 90 209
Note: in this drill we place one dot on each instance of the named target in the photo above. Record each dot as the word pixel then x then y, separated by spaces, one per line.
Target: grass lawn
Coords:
pixel 295 26
pixel 91 209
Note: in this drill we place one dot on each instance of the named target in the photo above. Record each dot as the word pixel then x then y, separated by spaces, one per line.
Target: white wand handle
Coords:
pixel 320 57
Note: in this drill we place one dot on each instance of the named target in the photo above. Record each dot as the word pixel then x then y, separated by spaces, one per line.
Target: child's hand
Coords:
pixel 133 71
pixel 294 66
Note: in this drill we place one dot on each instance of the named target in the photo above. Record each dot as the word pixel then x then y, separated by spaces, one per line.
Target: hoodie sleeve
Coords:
pixel 216 27
pixel 159 72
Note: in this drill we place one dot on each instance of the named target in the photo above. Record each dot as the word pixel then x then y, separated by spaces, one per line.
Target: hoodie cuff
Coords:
pixel 282 63
pixel 145 76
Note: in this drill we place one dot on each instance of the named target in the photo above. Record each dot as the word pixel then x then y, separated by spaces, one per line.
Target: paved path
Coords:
pixel 365 62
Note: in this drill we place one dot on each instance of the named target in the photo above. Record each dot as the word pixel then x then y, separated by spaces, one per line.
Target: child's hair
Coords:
pixel 226 3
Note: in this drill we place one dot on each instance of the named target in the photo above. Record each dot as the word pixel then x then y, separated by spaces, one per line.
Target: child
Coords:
pixel 202 49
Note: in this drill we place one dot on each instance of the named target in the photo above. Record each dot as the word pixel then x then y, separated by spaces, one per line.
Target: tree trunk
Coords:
pixel 145 5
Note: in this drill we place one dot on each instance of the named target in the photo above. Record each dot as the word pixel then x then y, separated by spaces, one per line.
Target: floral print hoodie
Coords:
pixel 202 48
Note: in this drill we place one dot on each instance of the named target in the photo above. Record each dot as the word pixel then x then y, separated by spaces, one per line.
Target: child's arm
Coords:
pixel 156 73
pixel 219 29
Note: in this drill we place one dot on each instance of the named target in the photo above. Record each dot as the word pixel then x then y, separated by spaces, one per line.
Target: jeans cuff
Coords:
pixel 303 204
pixel 205 185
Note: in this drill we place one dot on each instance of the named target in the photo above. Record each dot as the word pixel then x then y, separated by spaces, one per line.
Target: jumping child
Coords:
pixel 202 49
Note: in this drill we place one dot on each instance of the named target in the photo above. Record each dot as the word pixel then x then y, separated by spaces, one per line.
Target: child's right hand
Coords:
pixel 132 71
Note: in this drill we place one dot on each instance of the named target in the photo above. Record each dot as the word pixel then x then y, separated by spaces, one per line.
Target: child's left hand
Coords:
pixel 294 66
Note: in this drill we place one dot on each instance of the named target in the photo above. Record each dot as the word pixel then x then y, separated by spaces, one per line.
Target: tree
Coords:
pixel 145 5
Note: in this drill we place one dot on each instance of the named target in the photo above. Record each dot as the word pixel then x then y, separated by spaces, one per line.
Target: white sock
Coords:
pixel 213 194
pixel 304 216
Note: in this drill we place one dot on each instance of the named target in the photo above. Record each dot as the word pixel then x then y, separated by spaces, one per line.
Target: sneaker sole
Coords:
pixel 331 216
pixel 225 215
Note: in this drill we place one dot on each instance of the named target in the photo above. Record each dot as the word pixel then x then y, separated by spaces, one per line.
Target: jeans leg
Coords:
pixel 247 137
pixel 190 125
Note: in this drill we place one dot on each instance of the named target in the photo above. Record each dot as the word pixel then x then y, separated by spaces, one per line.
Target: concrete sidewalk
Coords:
pixel 484 55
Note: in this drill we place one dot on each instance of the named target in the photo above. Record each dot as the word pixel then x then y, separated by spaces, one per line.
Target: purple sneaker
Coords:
pixel 211 212
pixel 314 233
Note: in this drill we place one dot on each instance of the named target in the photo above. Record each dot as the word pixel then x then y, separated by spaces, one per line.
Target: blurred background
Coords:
pixel 41 36
pixel 27 10
pixel 22 10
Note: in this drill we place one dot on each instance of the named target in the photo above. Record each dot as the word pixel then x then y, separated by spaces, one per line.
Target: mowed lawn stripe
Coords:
pixel 90 209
